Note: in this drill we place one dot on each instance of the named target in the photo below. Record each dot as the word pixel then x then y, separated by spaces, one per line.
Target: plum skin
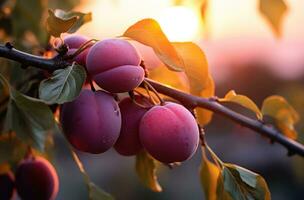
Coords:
pixel 74 42
pixel 36 179
pixel 7 185
pixel 114 65
pixel 169 133
pixel 128 143
pixel 92 121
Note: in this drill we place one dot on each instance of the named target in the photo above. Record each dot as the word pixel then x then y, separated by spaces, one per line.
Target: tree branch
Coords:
pixel 188 100
pixel 8 51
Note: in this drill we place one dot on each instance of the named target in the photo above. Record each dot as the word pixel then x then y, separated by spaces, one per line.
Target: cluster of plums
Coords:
pixel 95 121
pixel 35 179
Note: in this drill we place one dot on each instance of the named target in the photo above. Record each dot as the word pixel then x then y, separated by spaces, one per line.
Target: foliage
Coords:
pixel 274 11
pixel 146 170
pixel 63 86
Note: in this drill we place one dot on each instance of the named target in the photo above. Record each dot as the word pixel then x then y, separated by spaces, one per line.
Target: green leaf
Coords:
pixel 238 183
pixel 60 21
pixel 63 86
pixel 283 113
pixel 149 32
pixel 95 193
pixel 146 171
pixel 274 11
pixel 30 118
pixel 209 173
pixel 242 100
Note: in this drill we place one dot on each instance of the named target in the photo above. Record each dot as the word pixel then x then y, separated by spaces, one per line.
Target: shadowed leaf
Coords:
pixel 149 32
pixel 146 171
pixel 60 21
pixel 30 118
pixel 209 173
pixel 238 183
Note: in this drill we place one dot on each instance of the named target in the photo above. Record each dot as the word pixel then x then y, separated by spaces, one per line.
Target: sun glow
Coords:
pixel 179 23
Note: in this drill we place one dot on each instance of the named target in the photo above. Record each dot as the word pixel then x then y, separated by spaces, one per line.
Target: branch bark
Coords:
pixel 186 99
pixel 26 59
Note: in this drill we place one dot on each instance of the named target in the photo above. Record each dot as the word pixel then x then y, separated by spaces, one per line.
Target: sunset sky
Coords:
pixel 236 30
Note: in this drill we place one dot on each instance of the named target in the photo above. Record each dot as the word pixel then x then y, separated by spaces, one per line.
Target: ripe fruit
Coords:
pixel 7 185
pixel 114 65
pixel 169 133
pixel 92 122
pixel 36 179
pixel 74 42
pixel 128 143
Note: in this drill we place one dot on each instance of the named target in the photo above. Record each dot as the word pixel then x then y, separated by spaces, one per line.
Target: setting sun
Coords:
pixel 179 23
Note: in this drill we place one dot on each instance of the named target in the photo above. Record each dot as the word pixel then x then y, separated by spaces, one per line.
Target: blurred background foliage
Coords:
pixel 243 54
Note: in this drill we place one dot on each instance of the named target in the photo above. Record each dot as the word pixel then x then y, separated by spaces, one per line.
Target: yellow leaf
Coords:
pixel 56 24
pixel 146 171
pixel 204 116
pixel 209 174
pixel 274 11
pixel 204 9
pixel 284 114
pixel 242 100
pixel 149 32
pixel 195 65
pixel 169 78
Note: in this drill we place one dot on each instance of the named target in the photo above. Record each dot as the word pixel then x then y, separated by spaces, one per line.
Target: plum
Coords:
pixel 7 185
pixel 74 42
pixel 169 133
pixel 128 143
pixel 92 121
pixel 114 65
pixel 36 179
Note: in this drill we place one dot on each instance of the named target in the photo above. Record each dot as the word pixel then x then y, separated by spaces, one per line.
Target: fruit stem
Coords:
pixel 83 47
pixel 162 102
pixel 131 94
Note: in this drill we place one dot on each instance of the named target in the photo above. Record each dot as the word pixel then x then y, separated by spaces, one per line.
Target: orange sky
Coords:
pixel 237 32
pixel 227 18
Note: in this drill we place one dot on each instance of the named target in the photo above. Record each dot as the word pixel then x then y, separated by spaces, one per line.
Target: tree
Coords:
pixel 168 122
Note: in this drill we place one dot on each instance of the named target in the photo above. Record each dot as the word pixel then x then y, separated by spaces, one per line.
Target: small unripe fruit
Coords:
pixel 74 42
pixel 7 185
pixel 128 143
pixel 36 179
pixel 114 65
pixel 169 133
pixel 92 121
